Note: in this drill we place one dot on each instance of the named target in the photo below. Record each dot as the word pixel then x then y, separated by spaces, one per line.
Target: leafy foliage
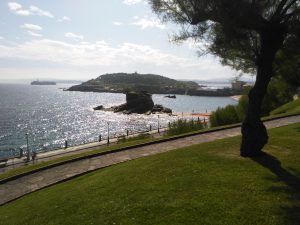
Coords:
pixel 224 116
pixel 279 92
pixel 231 29
pixel 184 126
pixel 230 114
pixel 246 35
pixel 276 97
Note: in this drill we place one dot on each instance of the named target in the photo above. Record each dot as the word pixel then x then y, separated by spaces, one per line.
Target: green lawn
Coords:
pixel 290 107
pixel 202 184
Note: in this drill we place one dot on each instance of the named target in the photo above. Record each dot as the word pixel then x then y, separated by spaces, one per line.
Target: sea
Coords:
pixel 48 116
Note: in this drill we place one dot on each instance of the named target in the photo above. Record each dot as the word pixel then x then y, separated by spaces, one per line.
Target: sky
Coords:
pixel 82 39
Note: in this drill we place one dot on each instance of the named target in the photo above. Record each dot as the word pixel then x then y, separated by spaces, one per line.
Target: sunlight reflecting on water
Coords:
pixel 50 116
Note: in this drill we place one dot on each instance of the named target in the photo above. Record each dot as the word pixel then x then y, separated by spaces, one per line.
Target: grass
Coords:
pixel 290 107
pixel 202 184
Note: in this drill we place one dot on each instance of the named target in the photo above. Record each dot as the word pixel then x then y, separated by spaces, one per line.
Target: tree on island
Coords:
pixel 246 35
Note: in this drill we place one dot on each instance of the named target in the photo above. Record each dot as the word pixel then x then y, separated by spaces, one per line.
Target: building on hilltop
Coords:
pixel 238 85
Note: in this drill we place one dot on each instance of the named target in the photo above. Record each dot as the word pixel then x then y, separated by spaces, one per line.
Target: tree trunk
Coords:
pixel 254 133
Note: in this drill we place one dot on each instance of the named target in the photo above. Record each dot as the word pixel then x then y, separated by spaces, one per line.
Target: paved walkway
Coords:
pixel 14 189
pixel 14 163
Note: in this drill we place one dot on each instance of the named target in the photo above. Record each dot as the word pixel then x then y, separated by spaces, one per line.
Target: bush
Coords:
pixel 224 116
pixel 242 107
pixel 183 126
pixel 278 93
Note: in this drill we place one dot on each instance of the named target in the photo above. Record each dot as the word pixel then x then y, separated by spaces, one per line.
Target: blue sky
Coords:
pixel 67 39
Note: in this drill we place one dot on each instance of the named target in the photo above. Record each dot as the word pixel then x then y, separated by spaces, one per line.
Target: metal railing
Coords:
pixel 32 149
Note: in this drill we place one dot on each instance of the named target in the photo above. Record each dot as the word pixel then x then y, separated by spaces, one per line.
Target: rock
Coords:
pixel 161 109
pixel 140 102
pixel 137 102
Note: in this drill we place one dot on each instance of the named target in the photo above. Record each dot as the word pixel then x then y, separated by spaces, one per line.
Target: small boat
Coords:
pixel 170 96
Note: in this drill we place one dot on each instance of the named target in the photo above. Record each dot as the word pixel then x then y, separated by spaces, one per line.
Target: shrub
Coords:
pixel 224 116
pixel 183 126
pixel 242 107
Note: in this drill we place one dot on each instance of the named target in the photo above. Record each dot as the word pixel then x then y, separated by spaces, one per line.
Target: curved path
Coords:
pixel 21 186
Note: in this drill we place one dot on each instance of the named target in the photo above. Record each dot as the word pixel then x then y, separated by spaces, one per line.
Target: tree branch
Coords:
pixel 279 8
pixel 287 17
pixel 287 7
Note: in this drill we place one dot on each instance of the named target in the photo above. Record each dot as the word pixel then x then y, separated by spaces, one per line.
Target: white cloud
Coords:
pixel 103 57
pixel 2 38
pixel 33 10
pixel 74 36
pixel 147 22
pixel 31 26
pixel 64 19
pixel 18 9
pixel 14 6
pixel 132 2
pixel 89 54
pixel 34 34
pixel 116 23
pixel 37 11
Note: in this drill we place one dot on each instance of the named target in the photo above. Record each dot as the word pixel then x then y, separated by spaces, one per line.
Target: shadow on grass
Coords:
pixel 273 164
pixel 270 162
pixel 297 129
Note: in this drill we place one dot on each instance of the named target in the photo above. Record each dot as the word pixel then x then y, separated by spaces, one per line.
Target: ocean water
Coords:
pixel 50 116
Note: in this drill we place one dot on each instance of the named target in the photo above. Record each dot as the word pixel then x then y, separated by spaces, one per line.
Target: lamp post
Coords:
pixel 107 132
pixel 28 153
pixel 158 124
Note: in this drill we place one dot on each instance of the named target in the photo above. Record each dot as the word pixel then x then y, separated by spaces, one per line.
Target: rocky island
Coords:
pixel 151 83
pixel 137 102
pixel 124 82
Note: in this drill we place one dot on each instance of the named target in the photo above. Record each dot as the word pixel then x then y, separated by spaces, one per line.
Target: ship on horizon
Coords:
pixel 37 82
